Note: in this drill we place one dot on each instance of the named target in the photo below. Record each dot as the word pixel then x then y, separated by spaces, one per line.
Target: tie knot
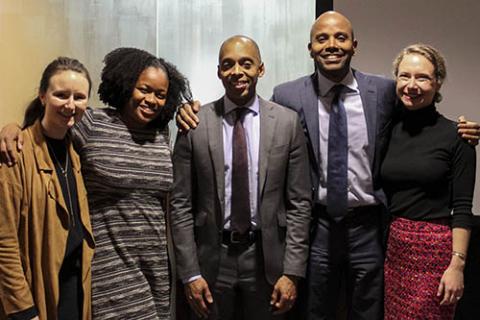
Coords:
pixel 337 89
pixel 240 113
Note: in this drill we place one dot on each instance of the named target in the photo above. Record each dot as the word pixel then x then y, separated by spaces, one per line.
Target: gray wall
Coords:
pixel 188 33
pixel 383 28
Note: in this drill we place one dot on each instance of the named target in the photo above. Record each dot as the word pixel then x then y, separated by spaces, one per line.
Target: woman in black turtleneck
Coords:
pixel 428 175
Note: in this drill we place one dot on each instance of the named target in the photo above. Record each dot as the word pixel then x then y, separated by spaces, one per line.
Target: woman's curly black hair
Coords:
pixel 122 69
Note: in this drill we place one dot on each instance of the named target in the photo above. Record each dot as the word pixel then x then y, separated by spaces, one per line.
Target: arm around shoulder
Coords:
pixel 11 140
pixel 181 216
pixel 463 184
pixel 299 204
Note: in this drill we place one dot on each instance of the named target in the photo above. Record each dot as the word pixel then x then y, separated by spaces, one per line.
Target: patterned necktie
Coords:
pixel 337 169
pixel 240 207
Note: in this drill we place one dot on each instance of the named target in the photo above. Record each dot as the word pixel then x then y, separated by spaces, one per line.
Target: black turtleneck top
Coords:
pixel 429 171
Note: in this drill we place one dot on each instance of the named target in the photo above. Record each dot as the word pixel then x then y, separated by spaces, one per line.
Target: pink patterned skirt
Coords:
pixel 418 254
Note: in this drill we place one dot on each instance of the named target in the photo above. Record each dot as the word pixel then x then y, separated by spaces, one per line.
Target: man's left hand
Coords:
pixel 469 130
pixel 284 294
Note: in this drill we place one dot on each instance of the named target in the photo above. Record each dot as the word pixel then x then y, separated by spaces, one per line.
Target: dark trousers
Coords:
pixel 349 253
pixel 241 290
pixel 70 303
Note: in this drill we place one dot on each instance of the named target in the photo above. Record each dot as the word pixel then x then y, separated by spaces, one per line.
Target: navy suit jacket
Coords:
pixel 378 100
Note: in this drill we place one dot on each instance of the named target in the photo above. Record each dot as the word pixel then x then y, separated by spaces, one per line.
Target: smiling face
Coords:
pixel 239 68
pixel 65 101
pixel 148 97
pixel 416 82
pixel 332 45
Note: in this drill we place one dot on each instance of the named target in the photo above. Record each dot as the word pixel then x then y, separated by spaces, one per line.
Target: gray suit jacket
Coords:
pixel 284 195
pixel 378 100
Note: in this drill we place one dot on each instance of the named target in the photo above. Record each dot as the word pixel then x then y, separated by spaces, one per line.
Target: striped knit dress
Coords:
pixel 127 173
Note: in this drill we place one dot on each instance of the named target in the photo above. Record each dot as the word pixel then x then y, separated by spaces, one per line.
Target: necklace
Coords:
pixel 65 176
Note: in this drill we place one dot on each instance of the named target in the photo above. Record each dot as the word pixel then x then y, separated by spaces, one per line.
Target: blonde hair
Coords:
pixel 432 55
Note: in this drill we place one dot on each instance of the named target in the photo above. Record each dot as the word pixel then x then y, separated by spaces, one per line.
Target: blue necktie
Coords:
pixel 337 168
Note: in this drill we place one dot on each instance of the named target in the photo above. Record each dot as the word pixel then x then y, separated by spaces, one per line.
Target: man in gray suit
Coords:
pixel 241 198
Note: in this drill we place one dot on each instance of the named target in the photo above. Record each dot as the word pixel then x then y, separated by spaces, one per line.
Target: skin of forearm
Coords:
pixel 460 239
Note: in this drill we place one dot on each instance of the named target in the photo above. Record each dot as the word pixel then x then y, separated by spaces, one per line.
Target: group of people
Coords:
pixel 257 197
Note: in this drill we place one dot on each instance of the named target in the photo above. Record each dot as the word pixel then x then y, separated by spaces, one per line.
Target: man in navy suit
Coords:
pixel 347 237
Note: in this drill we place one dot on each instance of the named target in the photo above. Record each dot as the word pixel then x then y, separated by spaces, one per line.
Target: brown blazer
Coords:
pixel 33 231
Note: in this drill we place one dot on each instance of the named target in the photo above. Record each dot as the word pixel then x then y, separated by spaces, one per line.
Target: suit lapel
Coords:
pixel 215 145
pixel 268 122
pixel 309 98
pixel 368 94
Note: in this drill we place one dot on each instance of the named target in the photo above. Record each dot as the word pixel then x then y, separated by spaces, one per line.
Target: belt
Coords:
pixel 235 238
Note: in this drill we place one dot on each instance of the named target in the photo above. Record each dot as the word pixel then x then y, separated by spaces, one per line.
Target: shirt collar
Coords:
pixel 253 105
pixel 325 84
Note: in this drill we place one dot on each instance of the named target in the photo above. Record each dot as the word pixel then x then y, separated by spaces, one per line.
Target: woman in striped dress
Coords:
pixel 127 169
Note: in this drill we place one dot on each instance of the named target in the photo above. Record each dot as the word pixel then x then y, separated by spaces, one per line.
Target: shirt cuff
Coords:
pixel 191 279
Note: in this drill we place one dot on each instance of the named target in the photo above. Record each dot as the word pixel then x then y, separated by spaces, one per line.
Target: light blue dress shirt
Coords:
pixel 251 125
pixel 360 182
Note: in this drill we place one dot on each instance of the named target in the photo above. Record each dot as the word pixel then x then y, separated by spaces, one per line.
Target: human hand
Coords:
pixel 284 294
pixel 10 134
pixel 469 130
pixel 198 297
pixel 187 116
pixel 36 318
pixel 451 286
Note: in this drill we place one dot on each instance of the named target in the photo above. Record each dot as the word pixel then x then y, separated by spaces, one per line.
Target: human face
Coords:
pixel 332 45
pixel 65 102
pixel 416 83
pixel 239 69
pixel 148 97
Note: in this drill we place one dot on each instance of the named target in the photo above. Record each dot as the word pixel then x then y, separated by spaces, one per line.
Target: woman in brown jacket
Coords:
pixel 46 242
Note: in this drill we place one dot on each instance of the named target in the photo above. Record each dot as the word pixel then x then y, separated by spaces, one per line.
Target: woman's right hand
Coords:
pixel 9 136
pixel 451 285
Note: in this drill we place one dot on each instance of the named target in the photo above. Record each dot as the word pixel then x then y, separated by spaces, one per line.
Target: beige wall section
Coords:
pixel 383 28
pixel 32 33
